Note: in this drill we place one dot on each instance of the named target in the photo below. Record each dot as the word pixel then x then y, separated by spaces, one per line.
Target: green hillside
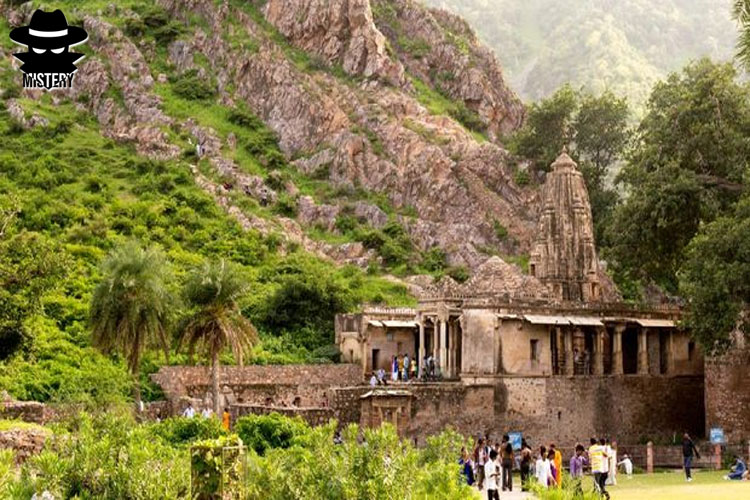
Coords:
pixel 623 45
pixel 69 195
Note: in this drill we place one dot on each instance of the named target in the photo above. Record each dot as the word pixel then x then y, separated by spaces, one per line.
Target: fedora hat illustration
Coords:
pixel 48 30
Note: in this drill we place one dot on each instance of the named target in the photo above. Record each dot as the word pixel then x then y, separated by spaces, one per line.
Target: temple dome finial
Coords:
pixel 564 160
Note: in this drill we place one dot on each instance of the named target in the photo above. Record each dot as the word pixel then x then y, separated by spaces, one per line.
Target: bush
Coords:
pixel 190 86
pixel 264 432
pixel 180 430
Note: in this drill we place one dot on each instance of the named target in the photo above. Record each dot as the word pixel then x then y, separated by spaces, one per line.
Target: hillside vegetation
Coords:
pixel 620 45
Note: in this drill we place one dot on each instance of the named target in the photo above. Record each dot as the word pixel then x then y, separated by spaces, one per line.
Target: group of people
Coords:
pixel 189 412
pixel 489 466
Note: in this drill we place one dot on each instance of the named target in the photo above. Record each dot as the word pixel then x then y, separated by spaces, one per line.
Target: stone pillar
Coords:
pixel 569 366
pixel 643 351
pixel 420 359
pixel 599 351
pixel 617 350
pixel 670 353
pixel 435 340
pixel 650 458
pixel 443 350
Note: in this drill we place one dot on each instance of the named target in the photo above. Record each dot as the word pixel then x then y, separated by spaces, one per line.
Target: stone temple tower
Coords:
pixel 563 256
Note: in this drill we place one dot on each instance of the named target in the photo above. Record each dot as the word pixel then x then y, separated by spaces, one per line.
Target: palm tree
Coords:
pixel 131 306
pixel 741 14
pixel 217 322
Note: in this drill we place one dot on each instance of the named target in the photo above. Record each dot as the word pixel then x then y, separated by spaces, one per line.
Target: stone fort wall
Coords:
pixel 728 394
pixel 566 410
pixel 257 384
pixel 631 409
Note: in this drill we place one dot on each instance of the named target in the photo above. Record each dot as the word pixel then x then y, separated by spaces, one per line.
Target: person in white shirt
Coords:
pixel 491 475
pixel 542 469
pixel 627 464
pixel 373 380
pixel 189 412
pixel 206 413
pixel 612 457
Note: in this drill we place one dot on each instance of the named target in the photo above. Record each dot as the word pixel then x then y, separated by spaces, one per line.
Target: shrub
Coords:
pixel 264 432
pixel 190 86
pixel 521 177
pixel 180 430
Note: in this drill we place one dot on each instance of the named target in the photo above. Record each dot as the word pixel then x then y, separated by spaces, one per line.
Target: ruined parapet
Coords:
pixel 564 255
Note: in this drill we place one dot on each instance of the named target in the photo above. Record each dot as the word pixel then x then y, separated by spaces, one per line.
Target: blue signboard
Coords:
pixel 515 439
pixel 717 435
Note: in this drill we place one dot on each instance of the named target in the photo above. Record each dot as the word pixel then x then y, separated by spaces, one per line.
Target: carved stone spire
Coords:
pixel 564 256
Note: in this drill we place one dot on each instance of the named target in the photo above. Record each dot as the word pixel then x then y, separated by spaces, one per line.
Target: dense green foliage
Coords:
pixel 110 457
pixel 623 45
pixel 716 278
pixel 265 432
pixel 686 168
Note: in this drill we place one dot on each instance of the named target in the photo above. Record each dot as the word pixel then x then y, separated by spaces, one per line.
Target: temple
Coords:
pixel 562 318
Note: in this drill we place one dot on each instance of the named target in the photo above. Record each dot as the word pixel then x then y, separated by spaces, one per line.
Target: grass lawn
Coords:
pixel 672 485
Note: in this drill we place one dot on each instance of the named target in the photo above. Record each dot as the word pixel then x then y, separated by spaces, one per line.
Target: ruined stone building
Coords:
pixel 552 345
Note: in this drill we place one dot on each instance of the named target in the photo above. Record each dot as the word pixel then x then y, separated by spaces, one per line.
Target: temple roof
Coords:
pixel 497 277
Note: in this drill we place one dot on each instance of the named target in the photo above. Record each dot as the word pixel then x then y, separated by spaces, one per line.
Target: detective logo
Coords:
pixel 49 63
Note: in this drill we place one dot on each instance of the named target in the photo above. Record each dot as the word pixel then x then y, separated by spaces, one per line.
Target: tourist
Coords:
pixel 627 465
pixel 738 470
pixel 337 437
pixel 597 458
pixel 381 376
pixel 189 412
pixel 612 454
pixel 525 465
pixel 507 462
pixel 557 462
pixel 542 470
pixel 491 473
pixel 399 366
pixel 577 462
pixel 158 415
pixel 688 448
pixel 225 420
pixel 481 454
pixel 554 470
pixel 467 466
pixel 373 380
pixel 206 413
pixel 414 368
pixel 394 369
pixel 325 400
pixel 406 368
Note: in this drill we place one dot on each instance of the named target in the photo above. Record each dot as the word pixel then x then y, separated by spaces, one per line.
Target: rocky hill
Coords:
pixel 383 112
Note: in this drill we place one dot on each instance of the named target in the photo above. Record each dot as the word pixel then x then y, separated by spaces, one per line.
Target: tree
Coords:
pixel 132 305
pixel 31 265
pixel 547 129
pixel 685 168
pixel 213 291
pixel 715 279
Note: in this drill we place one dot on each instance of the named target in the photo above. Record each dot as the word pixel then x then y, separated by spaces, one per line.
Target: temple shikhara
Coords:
pixel 563 317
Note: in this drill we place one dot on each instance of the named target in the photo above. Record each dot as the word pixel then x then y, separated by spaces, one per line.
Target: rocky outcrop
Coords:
pixel 339 31
pixel 441 48
pixel 25 442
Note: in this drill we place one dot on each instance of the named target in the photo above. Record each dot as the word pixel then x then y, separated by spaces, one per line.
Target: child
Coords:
pixel 738 470
pixel 627 464
pixel 553 469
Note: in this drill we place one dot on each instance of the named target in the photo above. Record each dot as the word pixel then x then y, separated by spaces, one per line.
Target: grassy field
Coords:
pixel 672 485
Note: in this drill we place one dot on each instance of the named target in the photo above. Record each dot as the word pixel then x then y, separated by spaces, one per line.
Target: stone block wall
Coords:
pixel 269 385
pixel 27 411
pixel 728 394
